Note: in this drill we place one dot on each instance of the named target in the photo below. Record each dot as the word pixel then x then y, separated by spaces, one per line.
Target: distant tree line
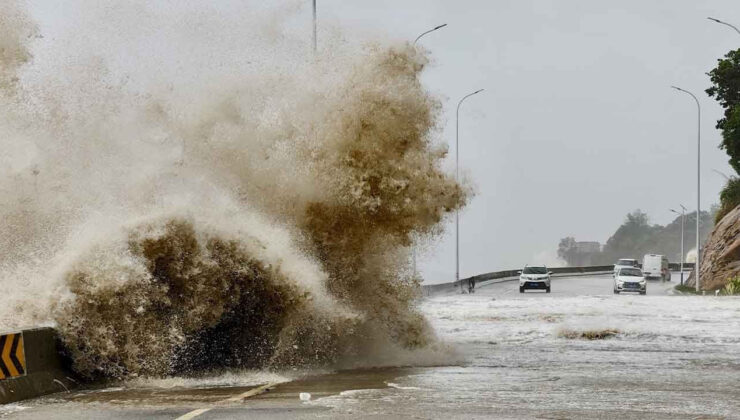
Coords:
pixel 637 237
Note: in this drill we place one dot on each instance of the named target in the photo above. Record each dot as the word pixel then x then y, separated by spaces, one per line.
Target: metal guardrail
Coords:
pixel 677 266
pixel 432 289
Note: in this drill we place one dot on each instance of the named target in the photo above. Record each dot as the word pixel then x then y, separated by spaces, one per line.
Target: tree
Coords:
pixel 567 250
pixel 726 90
pixel 637 237
pixel 631 238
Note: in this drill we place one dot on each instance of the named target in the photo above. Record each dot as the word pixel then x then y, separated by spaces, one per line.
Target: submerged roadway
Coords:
pixel 506 355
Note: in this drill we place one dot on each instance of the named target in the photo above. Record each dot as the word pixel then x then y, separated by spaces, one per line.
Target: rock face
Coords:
pixel 720 259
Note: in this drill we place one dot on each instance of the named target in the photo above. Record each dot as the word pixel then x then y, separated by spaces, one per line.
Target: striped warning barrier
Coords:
pixel 32 364
pixel 12 356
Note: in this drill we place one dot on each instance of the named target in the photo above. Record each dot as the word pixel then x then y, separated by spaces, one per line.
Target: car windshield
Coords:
pixel 631 272
pixel 626 262
pixel 535 270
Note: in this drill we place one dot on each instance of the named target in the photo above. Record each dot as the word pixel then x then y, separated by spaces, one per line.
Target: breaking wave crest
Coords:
pixel 177 295
pixel 227 221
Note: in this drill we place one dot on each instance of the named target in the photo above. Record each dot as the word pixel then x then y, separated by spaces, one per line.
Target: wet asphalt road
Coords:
pixel 671 357
pixel 584 285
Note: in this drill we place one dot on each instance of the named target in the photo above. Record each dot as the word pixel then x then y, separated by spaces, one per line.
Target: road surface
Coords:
pixel 583 285
pixel 507 355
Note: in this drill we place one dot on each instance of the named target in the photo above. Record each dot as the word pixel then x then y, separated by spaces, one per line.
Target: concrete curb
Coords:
pixel 45 371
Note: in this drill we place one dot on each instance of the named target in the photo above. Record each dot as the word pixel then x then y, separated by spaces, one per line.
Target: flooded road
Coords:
pixel 520 356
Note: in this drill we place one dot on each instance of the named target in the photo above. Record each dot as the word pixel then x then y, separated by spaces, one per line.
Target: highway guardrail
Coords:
pixel 508 275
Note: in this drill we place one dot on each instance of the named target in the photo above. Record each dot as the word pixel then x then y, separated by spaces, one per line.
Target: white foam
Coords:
pixel 408 388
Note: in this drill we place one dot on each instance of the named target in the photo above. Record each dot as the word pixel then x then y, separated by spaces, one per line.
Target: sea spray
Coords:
pixel 227 221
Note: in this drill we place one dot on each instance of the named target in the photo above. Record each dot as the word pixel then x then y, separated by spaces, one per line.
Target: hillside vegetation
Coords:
pixel 637 237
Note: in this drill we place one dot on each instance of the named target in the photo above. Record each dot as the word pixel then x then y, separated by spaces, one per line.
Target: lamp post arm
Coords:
pixel 457 127
pixel 431 30
pixel 725 23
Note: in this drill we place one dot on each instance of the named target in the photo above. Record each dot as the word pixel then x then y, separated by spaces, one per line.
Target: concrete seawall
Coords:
pixel 31 365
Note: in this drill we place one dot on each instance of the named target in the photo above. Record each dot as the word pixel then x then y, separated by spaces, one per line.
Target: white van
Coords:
pixel 656 267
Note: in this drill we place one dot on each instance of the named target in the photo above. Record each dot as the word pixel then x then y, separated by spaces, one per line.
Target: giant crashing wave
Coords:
pixel 279 237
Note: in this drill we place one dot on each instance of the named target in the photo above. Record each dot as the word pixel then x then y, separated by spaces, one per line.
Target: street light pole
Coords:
pixel 698 183
pixel 431 30
pixel 314 26
pixel 413 256
pixel 457 175
pixel 683 216
pixel 725 23
pixel 413 250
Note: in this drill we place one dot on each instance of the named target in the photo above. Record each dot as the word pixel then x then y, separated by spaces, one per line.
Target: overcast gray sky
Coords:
pixel 577 126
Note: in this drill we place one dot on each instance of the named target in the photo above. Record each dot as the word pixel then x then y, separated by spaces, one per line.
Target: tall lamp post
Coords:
pixel 698 182
pixel 457 175
pixel 413 250
pixel 724 23
pixel 683 216
pixel 314 26
pixel 431 30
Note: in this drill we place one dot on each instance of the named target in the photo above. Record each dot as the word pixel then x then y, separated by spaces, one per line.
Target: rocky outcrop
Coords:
pixel 720 258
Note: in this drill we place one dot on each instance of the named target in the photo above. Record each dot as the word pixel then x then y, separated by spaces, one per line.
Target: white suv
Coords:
pixel 629 279
pixel 534 278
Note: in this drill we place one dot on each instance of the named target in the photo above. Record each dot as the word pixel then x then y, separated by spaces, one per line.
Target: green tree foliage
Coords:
pixel 726 89
pixel 630 238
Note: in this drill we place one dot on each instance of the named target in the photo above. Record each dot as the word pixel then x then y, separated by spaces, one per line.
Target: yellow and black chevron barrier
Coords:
pixel 12 358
